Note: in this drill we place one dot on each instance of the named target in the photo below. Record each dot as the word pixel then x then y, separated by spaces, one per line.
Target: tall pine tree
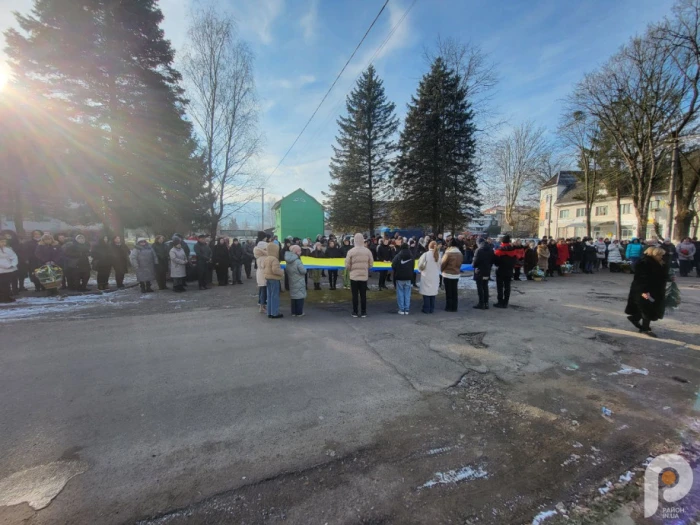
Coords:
pixel 435 170
pixel 361 163
pixel 104 70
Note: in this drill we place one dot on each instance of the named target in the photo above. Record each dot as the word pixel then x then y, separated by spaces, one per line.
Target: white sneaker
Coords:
pixel 400 312
pixel 405 313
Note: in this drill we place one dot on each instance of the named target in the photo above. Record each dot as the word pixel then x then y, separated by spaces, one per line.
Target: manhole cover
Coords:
pixel 476 339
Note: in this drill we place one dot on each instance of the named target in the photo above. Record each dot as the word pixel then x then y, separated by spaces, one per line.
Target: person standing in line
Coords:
pixel 403 265
pixel 162 261
pixel 260 252
pixel 505 258
pixel 520 251
pixel 358 263
pixel 47 252
pixel 383 255
pixel 482 263
pixel 77 256
pixel 530 260
pixel 295 271
pixel 178 265
pixel 562 255
pixel 601 250
pixel 102 262
pixel 248 258
pixel 686 256
pixel 17 277
pixel 543 256
pixel 429 267
pixel 236 254
pixel 345 248
pixel 633 252
pixel 316 274
pixel 614 257
pixel 553 256
pixel 120 260
pixel 221 260
pixel 451 268
pixel 203 253
pixel 29 249
pixel 8 267
pixel 273 273
pixel 647 297
pixel 333 252
pixel 590 256
pixel 143 261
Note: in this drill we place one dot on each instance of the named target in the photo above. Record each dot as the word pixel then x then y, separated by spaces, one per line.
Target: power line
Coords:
pixel 330 88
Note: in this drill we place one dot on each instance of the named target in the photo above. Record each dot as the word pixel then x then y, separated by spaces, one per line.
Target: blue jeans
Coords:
pixel 262 295
pixel 273 297
pixel 403 295
pixel 297 306
pixel 428 304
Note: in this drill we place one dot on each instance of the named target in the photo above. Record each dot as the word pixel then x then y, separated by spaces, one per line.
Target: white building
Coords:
pixel 563 211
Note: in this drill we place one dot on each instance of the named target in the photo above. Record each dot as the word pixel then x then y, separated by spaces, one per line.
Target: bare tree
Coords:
pixel 580 132
pixel 681 37
pixel 516 161
pixel 634 97
pixel 218 71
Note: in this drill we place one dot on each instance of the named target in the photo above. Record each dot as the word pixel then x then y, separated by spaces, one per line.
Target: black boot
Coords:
pixel 143 286
pixel 148 287
pixel 479 306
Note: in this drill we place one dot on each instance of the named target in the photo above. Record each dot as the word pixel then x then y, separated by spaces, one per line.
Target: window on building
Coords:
pixel 580 212
pixel 563 214
pixel 548 198
pixel 626 233
pixel 601 210
pixel 626 209
pixel 654 205
pixel 579 232
pixel 561 233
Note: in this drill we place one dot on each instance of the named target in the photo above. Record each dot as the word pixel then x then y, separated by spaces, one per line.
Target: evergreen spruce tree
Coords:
pixel 361 163
pixel 104 70
pixel 435 170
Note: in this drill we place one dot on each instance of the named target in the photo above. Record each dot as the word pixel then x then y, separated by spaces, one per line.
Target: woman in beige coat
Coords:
pixel 543 256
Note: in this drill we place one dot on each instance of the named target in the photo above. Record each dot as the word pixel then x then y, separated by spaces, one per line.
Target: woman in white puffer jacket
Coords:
pixel 614 256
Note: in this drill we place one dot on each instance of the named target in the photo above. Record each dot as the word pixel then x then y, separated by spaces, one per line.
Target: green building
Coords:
pixel 299 215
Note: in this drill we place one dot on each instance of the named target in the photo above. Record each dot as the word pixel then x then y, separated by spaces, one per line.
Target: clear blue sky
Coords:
pixel 541 48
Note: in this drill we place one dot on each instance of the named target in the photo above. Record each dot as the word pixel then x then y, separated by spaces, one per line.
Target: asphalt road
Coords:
pixel 160 403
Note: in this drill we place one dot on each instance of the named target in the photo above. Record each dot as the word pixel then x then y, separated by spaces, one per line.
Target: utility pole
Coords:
pixel 262 209
pixel 672 189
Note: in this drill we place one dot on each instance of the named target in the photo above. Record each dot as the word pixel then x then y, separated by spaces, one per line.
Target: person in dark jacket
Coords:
pixel 221 261
pixel 553 256
pixel 576 255
pixel 248 258
pixel 333 252
pixel 236 256
pixel 203 253
pixel 403 266
pixel 48 252
pixel 520 255
pixel 17 277
pixel 647 297
pixel 530 260
pixel 318 253
pixel 505 258
pixel 120 259
pixel 482 263
pixel 162 261
pixel 102 262
pixel 345 248
pixel 76 255
pixel 590 255
pixel 383 255
pixel 28 253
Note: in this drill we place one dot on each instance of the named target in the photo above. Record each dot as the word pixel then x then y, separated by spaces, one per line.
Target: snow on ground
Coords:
pixel 29 307
pixel 542 516
pixel 455 476
pixel 628 370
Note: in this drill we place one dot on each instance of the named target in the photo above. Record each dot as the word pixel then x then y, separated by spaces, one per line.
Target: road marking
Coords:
pixel 627 333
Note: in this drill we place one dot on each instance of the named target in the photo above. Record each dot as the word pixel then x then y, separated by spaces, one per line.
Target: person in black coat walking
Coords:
pixel 482 263
pixel 647 297
pixel 221 260
pixel 162 261
pixel 505 258
pixel 236 256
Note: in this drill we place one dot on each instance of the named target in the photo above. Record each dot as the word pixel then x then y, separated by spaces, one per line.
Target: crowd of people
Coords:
pixel 438 260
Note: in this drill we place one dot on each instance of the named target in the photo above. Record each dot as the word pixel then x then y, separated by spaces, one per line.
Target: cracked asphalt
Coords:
pixel 194 408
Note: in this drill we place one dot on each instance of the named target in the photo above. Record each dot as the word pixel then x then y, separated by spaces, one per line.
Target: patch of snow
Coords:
pixel 606 488
pixel 628 370
pixel 542 516
pixel 626 477
pixel 28 307
pixel 39 485
pixel 623 427
pixel 436 451
pixel 577 445
pixel 455 476
pixel 572 459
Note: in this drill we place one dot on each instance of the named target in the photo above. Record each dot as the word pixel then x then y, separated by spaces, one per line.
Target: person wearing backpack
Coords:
pixel 403 265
